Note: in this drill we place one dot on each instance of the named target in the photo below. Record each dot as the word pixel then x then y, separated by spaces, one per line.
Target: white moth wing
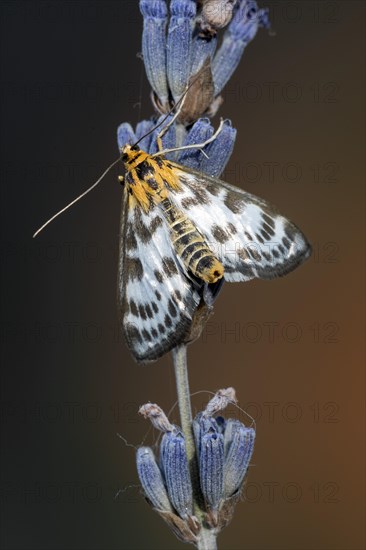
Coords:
pixel 247 234
pixel 156 299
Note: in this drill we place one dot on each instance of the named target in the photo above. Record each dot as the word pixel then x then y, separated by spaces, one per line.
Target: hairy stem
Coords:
pixel 207 540
pixel 184 398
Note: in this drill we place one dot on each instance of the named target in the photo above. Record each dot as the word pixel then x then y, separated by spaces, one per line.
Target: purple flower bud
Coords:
pixel 200 132
pixel 173 57
pixel 152 479
pixel 155 15
pixel 240 32
pixel 223 449
pixel 125 134
pixel 142 129
pixel 202 48
pixel 210 451
pixel 202 425
pixel 239 446
pixel 179 45
pixel 169 138
pixel 221 423
pixel 219 151
pixel 174 463
pixel 211 465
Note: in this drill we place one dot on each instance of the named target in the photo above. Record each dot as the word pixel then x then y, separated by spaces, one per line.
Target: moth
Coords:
pixel 182 234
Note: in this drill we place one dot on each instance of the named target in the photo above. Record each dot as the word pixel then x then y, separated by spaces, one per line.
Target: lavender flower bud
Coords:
pixel 155 16
pixel 240 32
pixel 211 465
pixel 219 151
pixel 203 47
pixel 169 138
pixel 221 423
pixel 125 134
pixel 185 54
pixel 202 425
pixel 142 129
pixel 210 451
pixel 179 45
pixel 200 132
pixel 174 463
pixel 152 479
pixel 223 447
pixel 239 445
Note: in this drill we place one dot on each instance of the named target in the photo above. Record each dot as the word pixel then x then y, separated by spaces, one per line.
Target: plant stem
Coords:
pixel 184 398
pixel 206 537
pixel 185 412
pixel 207 540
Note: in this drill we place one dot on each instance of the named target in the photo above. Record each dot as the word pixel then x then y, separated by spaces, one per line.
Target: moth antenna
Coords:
pixel 77 198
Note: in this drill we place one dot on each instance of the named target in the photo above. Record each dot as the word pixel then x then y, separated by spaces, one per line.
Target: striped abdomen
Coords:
pixel 191 246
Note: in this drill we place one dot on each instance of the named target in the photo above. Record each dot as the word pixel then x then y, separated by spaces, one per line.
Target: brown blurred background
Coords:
pixel 292 348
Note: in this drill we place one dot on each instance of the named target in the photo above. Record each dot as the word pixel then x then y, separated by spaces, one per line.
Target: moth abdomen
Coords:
pixel 191 246
pixel 206 266
pixel 198 257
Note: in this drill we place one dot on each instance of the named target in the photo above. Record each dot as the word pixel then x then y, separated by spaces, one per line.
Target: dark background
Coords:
pixel 292 348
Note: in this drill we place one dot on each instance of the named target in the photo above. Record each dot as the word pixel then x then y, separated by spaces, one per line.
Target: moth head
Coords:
pixel 129 153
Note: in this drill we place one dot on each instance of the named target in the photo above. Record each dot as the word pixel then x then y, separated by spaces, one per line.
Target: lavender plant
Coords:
pixel 196 481
pixel 197 500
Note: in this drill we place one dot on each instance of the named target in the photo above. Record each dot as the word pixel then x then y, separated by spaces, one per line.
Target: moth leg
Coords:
pixel 159 142
pixel 193 146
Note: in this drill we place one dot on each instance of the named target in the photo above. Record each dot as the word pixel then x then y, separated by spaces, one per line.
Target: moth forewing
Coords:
pixel 248 235
pixel 157 301
pixel 121 255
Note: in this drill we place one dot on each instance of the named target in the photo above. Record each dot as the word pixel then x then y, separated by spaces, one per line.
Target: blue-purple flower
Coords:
pixel 211 160
pixel 223 452
pixel 181 47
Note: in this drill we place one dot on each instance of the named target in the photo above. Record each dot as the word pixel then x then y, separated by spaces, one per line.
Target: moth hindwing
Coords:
pixel 183 232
